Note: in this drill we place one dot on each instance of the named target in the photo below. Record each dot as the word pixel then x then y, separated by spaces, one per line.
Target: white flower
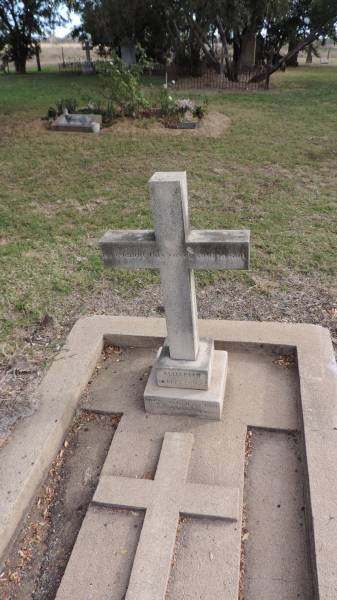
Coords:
pixel 173 82
pixel 170 98
pixel 185 104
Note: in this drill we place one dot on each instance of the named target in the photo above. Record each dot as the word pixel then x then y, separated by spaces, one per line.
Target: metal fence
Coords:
pixel 70 67
pixel 186 77
pixel 206 77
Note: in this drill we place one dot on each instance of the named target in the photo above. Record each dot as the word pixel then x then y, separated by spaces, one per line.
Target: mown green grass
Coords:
pixel 273 171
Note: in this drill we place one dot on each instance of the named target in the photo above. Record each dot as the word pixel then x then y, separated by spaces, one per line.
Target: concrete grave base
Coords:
pixel 281 383
pixel 205 404
pixel 81 123
pixel 190 374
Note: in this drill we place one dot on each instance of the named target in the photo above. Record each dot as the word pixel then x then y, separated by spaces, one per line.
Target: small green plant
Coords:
pixel 200 110
pixel 166 102
pixel 98 107
pixel 66 103
pixel 51 113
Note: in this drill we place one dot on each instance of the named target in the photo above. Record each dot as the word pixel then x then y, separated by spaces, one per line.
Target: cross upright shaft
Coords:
pixel 176 251
pixel 168 193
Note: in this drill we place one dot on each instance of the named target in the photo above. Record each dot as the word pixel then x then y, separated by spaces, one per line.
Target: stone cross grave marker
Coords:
pixel 188 376
pixel 164 499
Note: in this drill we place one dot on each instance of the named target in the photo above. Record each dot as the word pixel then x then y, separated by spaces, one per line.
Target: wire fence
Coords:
pixel 70 67
pixel 206 77
pixel 187 77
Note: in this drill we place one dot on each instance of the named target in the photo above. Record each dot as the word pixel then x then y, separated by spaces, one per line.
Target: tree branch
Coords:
pixel 224 45
pixel 203 43
pixel 270 70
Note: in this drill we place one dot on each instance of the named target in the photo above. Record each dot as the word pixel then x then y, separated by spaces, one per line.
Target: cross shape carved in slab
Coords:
pixel 176 250
pixel 164 499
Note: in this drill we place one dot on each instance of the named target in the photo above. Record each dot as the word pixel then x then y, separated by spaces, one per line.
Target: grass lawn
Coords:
pixel 273 171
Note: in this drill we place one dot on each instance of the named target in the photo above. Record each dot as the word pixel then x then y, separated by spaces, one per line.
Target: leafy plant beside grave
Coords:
pixel 120 85
pixel 120 94
pixel 70 105
pixel 180 112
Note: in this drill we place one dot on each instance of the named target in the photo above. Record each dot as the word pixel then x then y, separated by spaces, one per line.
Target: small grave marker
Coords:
pixel 77 122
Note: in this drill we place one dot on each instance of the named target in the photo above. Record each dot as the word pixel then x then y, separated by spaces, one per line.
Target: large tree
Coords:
pixel 306 22
pixel 22 24
pixel 191 31
pixel 111 23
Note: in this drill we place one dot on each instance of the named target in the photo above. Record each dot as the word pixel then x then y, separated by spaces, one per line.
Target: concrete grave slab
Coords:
pixel 276 519
pixel 207 553
pixel 207 404
pixel 76 122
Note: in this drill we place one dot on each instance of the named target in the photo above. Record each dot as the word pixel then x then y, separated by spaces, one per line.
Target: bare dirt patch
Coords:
pixel 39 556
pixel 213 125
pixel 11 129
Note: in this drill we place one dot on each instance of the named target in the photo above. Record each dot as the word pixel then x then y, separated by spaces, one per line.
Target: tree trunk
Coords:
pixel 266 74
pixel 309 55
pixel 20 64
pixel 225 53
pixel 38 61
pixel 292 61
pixel 236 55
pixel 247 50
pixel 19 53
pixel 202 41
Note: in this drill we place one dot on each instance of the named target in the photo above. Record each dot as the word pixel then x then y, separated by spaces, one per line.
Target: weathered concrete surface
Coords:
pixel 176 251
pixel 106 559
pixel 36 440
pixel 316 378
pixel 206 249
pixel 317 403
pixel 206 404
pixel 272 402
pixel 190 374
pixel 203 548
pixel 164 499
pixel 275 502
pixel 77 123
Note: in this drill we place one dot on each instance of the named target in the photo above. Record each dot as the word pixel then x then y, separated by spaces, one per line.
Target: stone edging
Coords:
pixel 36 440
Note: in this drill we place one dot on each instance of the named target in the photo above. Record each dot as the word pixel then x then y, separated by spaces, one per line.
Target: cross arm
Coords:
pixel 218 249
pixel 212 501
pixel 124 492
pixel 130 248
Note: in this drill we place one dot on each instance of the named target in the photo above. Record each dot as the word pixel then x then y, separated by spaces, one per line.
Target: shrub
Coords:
pixel 66 103
pixel 200 110
pixel 51 113
pixel 120 84
pixel 166 102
